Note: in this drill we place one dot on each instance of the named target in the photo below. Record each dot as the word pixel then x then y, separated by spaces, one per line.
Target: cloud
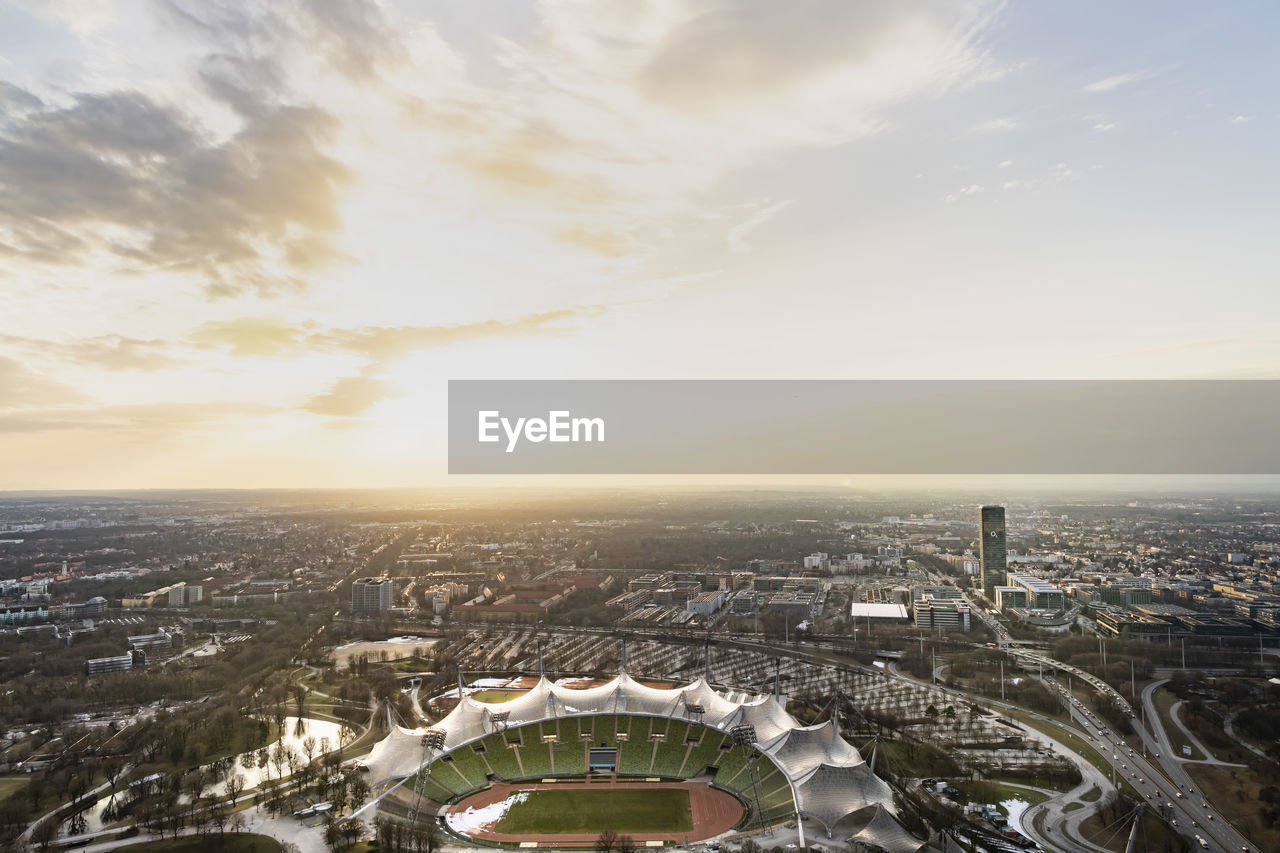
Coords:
pixel 380 343
pixel 1242 119
pixel 350 396
pixel 632 113
pixel 121 174
pixel 377 346
pixel 354 34
pixel 737 235
pixel 249 336
pixel 997 125
pixel 144 423
pixel 353 395
pixel 1115 81
pixel 104 352
pixel 731 51
pixel 124 175
pixel 21 387
pixel 1103 127
pixel 609 243
pixel 972 189
pixel 1060 173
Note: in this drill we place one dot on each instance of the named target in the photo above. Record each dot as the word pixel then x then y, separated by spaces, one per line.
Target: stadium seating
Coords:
pixel 433 789
pixel 671 756
pixel 535 758
pixel 705 752
pixel 465 773
pixel 634 757
pixel 732 769
pixel 569 755
pixel 500 758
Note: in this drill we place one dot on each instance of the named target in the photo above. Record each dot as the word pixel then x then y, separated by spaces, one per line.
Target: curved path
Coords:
pixel 1228 725
pixel 1195 741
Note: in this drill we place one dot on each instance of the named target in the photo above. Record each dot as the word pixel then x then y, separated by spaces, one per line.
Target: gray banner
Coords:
pixel 863 427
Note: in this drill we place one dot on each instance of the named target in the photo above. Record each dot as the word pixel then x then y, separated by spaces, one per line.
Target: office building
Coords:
pixel 1041 595
pixel 944 614
pixel 993 550
pixel 1010 596
pixel 131 660
pixel 371 595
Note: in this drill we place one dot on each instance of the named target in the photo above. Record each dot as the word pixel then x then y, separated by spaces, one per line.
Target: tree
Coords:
pixel 607 842
pixel 358 791
pixel 332 834
pixel 235 784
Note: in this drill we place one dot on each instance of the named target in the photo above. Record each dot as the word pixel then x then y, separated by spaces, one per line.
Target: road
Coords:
pixel 1052 812
pixel 1142 774
pixel 1192 806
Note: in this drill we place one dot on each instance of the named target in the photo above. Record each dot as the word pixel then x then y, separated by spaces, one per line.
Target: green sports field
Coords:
pixel 578 810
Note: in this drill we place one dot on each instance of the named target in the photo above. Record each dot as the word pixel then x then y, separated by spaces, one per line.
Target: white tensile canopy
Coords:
pixel 829 779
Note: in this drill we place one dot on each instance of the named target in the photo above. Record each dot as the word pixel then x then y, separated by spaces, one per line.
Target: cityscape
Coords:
pixel 900 672
pixel 701 426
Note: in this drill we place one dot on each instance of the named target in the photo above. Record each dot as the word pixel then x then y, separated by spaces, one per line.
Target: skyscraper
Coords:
pixel 993 550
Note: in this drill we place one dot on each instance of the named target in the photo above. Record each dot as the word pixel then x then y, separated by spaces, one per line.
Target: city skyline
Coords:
pixel 247 244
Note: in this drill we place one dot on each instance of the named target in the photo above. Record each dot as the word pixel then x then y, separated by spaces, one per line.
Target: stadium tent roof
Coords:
pixel 828 776
pixel 884 831
pixel 767 714
pixel 798 751
pixel 396 755
pixel 830 792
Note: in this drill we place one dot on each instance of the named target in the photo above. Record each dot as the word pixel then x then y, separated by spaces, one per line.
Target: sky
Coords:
pixel 246 244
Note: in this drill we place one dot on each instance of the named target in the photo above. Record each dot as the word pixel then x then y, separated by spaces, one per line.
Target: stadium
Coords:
pixel 558 765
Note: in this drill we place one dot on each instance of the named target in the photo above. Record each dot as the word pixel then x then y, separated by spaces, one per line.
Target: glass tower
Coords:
pixel 993 551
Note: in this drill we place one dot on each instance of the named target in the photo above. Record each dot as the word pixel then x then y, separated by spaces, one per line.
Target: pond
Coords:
pixel 296 733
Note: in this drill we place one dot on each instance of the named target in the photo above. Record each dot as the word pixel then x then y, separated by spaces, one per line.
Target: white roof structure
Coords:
pixel 829 778
pixel 885 832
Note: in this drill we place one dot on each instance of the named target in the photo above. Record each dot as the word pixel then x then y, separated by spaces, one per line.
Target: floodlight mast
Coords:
pixel 692 710
pixel 744 737
pixel 432 742
pixel 499 720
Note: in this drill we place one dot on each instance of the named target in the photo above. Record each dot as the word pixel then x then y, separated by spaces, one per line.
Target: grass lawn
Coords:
pixel 551 812
pixel 1164 701
pixel 1157 834
pixel 1233 791
pixel 492 695
pixel 229 843
pixel 11 785
pixel 996 792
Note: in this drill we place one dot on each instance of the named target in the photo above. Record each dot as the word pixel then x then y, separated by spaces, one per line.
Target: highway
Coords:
pixel 1160 779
